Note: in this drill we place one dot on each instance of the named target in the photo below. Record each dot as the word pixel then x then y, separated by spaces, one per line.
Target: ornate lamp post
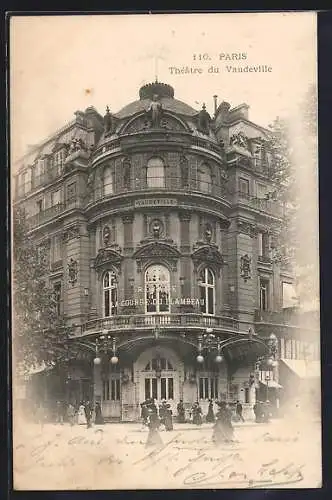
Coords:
pixel 209 342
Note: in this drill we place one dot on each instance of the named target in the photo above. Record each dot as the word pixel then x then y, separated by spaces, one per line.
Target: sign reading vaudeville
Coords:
pixel 155 202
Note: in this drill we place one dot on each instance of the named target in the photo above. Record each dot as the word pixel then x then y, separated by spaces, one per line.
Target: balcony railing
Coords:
pixel 145 321
pixel 54 211
pixel 154 184
pixel 271 207
pixel 284 317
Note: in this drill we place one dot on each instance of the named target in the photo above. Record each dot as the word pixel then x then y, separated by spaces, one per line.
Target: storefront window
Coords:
pixel 208 388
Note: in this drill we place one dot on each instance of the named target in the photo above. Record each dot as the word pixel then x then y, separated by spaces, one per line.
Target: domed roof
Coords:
pixel 165 94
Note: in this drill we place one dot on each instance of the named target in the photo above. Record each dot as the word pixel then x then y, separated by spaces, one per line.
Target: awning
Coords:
pixel 302 368
pixel 271 384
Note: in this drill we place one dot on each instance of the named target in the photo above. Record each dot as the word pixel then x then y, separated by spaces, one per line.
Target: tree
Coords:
pixel 39 333
pixel 293 143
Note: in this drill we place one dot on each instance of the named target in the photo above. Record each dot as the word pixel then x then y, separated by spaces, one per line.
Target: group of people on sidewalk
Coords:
pixel 196 413
pixel 162 416
pixel 85 413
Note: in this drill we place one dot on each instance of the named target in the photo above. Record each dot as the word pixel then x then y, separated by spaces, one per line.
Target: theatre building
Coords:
pixel 158 222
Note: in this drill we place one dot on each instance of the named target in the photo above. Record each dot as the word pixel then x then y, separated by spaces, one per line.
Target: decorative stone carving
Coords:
pixel 247 228
pixel 184 167
pixel 241 140
pixel 108 256
pixel 185 215
pixel 245 267
pixel 204 121
pixel 155 112
pixel 108 122
pixel 71 232
pixel 208 232
pixel 156 228
pixel 126 172
pixel 208 254
pixel 128 219
pixel 106 235
pixel 157 250
pixel 72 271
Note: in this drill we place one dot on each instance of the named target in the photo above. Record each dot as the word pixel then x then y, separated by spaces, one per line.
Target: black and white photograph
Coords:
pixel 165 258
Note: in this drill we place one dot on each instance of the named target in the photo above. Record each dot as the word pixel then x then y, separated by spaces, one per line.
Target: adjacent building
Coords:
pixel 159 223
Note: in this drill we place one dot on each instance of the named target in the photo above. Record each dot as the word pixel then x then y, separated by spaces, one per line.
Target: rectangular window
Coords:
pixel 57 248
pixel 56 198
pixel 210 301
pixel 147 388
pixel 58 298
pixel 246 395
pixel 244 187
pixel 39 206
pixel 106 390
pixel 260 244
pixel 208 388
pixel 106 303
pixel 170 388
pixel 154 388
pixel 289 298
pixel 163 388
pixel 261 191
pixel 264 294
pixel 71 192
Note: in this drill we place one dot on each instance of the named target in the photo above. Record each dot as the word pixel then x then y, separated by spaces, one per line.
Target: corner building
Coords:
pixel 158 224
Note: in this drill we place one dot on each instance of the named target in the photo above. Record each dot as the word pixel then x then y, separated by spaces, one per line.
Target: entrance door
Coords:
pixel 111 397
pixel 160 380
pixel 159 388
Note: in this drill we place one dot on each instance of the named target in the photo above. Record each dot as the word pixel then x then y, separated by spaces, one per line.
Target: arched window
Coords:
pixel 110 294
pixel 204 178
pixel 155 173
pixel 157 289
pixel 108 180
pixel 207 291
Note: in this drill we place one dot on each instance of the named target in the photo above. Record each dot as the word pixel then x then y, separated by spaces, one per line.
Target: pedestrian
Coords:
pixel 181 412
pixel 154 438
pixel 168 419
pixel 144 413
pixel 59 412
pixel 88 414
pixel 223 431
pixel 239 410
pixel 99 419
pixel 81 418
pixel 210 414
pixel 197 414
pixel 71 414
pixel 162 412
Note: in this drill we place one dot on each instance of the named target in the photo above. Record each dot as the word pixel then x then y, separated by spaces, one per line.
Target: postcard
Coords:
pixel 165 280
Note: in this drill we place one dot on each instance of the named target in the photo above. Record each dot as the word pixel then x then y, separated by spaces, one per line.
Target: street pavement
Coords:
pixel 284 453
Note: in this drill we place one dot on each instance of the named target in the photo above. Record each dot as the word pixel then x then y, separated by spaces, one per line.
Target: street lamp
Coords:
pixel 267 379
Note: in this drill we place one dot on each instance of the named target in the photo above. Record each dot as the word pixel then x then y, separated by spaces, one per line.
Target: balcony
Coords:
pixel 285 317
pixel 54 211
pixel 163 321
pixel 157 184
pixel 270 207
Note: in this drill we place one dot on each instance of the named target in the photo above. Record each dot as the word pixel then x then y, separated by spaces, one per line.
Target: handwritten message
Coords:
pixel 114 457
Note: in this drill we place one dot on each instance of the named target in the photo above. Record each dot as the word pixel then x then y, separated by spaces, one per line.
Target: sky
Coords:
pixel 60 64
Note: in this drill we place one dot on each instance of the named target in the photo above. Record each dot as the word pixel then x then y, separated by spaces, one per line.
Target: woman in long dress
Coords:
pixel 154 438
pixel 223 431
pixel 99 419
pixel 197 414
pixel 81 418
pixel 210 414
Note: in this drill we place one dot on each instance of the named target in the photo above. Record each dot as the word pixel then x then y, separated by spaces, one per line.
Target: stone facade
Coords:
pixel 160 221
